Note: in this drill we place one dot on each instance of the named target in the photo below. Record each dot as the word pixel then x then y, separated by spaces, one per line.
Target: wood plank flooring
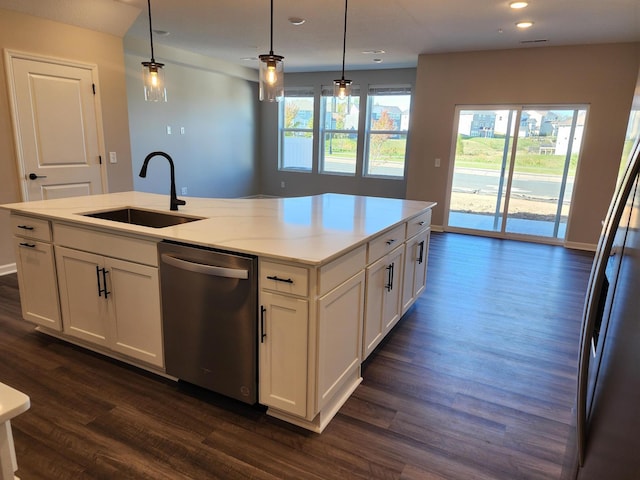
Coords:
pixel 475 382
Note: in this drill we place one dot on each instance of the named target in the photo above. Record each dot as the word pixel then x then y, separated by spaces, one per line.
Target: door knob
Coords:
pixel 33 176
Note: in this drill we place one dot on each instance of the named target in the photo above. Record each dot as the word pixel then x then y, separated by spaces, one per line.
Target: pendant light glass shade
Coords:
pixel 153 77
pixel 271 77
pixel 271 72
pixel 342 87
pixel 152 73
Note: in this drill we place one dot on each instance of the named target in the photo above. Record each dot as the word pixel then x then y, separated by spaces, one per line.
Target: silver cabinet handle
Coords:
pixel 30 245
pixel 392 241
pixel 203 268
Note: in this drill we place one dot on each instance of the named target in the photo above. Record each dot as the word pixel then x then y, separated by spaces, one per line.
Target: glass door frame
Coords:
pixel 511 142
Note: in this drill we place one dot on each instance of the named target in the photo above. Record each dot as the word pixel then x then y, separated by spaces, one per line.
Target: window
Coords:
pixel 296 130
pixel 388 110
pixel 341 141
pixel 339 132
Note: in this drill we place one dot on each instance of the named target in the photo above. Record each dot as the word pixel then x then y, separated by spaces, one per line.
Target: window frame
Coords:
pixel 326 92
pixel 295 92
pixel 379 91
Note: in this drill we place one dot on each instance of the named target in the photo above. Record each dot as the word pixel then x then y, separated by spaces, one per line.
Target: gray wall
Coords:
pixel 304 183
pixel 217 154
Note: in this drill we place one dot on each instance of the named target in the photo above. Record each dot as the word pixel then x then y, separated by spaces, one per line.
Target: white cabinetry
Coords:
pixel 310 337
pixel 283 352
pixel 107 301
pixel 383 309
pixel 415 268
pixel 36 271
pixel 384 286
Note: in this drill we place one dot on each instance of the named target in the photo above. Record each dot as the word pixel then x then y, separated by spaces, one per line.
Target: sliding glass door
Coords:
pixel 514 168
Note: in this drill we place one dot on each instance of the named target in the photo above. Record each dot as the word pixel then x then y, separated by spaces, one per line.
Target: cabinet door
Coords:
pixel 392 307
pixel 283 353
pixel 377 277
pixel 135 321
pixel 340 316
pixel 384 291
pixel 415 269
pixel 37 282
pixel 82 296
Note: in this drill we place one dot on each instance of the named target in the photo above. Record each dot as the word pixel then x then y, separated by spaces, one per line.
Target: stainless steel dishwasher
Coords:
pixel 209 312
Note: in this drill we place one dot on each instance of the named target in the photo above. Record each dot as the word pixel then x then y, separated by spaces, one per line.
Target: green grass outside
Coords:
pixel 487 153
pixel 393 150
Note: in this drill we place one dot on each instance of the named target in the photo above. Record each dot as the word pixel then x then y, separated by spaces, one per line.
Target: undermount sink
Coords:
pixel 145 218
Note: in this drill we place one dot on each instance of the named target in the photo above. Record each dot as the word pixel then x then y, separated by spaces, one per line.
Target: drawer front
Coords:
pixel 284 278
pixel 383 244
pixel 341 269
pixel 30 227
pixel 419 223
pixel 117 246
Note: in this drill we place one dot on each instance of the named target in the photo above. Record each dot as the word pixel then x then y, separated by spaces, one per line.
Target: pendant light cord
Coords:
pixel 344 39
pixel 150 31
pixel 271 38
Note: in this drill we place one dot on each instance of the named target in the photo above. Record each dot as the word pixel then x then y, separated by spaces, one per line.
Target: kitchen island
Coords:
pixel 351 267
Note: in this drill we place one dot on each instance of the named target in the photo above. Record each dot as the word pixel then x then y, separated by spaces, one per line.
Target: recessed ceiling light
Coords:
pixel 377 60
pixel 524 24
pixel 161 33
pixel 517 5
pixel 249 59
pixel 296 21
pixel 373 52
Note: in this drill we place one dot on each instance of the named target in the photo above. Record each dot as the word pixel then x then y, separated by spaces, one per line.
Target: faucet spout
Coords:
pixel 175 201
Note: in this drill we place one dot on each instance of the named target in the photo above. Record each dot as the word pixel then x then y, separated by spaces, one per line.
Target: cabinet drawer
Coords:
pixel 419 223
pixel 341 269
pixel 284 278
pixel 30 227
pixel 103 243
pixel 386 242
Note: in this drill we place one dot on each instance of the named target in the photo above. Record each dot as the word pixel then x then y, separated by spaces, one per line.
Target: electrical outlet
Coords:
pixel 181 130
pixel 437 162
pixel 168 129
pixel 184 190
pixel 113 158
pixel 282 184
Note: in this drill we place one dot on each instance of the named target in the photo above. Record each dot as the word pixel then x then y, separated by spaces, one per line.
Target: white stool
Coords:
pixel 12 404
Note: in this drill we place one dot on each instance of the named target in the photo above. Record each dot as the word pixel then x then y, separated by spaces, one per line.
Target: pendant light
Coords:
pixel 271 72
pixel 152 73
pixel 342 87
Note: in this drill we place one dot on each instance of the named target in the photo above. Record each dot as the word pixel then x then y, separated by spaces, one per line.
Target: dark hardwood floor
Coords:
pixel 476 382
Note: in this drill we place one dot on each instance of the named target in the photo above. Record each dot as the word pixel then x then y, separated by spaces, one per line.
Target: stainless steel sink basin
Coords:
pixel 145 218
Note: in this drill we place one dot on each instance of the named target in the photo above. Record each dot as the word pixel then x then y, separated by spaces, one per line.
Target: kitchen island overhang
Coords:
pixel 353 259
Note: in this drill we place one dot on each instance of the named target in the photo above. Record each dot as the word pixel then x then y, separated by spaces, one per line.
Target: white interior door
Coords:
pixel 57 128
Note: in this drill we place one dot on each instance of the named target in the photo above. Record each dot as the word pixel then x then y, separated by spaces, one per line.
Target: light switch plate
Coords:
pixel 113 157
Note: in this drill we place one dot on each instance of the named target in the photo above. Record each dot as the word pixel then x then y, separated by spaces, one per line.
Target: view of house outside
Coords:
pixel 516 175
pixel 385 138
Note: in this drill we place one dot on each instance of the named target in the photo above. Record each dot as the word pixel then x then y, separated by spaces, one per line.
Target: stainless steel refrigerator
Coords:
pixel 606 441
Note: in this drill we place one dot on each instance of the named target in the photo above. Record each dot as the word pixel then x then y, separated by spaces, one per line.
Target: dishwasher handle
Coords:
pixel 203 268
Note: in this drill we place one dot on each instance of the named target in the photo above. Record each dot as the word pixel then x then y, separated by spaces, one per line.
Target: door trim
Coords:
pixel 9 55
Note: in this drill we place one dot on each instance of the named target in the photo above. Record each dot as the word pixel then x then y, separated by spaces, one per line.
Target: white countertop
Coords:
pixel 313 229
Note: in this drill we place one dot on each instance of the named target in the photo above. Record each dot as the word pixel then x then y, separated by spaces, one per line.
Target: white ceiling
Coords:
pixel 235 29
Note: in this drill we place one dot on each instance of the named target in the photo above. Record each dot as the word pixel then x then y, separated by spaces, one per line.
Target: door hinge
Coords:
pixel 93 87
pixel 100 159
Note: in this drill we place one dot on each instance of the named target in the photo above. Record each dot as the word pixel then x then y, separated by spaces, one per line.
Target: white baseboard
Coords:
pixel 7 269
pixel 589 247
pixel 437 228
